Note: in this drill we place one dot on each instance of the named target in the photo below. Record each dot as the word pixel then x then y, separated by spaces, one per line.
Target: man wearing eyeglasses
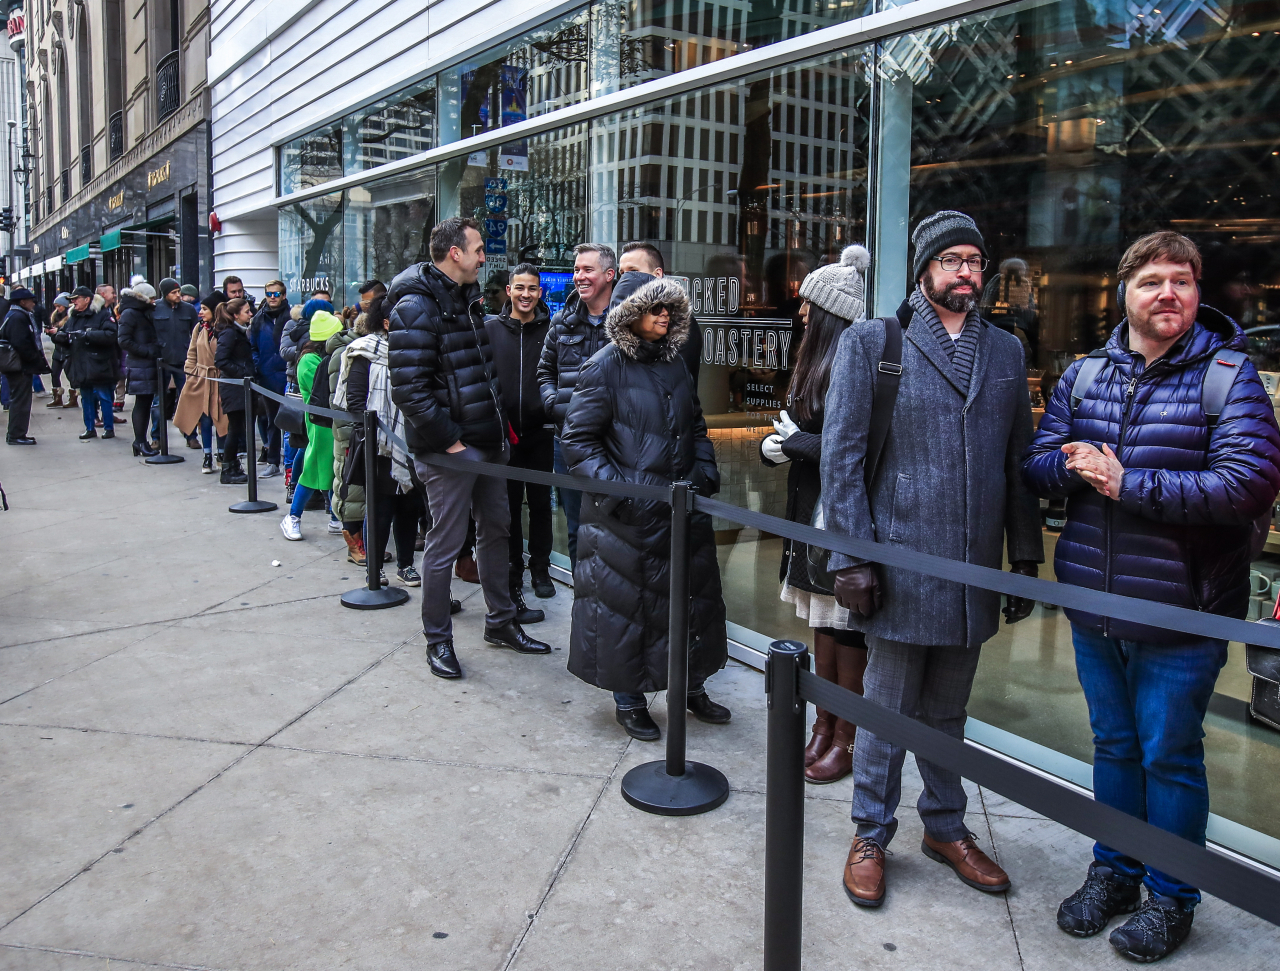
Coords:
pixel 265 333
pixel 948 483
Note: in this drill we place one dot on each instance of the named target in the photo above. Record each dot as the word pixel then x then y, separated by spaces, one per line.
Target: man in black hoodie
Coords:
pixel 516 336
pixel 442 380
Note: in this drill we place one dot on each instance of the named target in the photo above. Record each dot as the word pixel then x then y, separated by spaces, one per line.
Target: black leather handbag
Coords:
pixel 290 417
pixel 1263 664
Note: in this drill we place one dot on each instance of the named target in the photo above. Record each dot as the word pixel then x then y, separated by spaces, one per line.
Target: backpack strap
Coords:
pixel 1218 379
pixel 1086 376
pixel 888 375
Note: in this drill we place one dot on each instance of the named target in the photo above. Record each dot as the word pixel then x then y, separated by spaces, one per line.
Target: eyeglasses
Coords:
pixel 275 293
pixel 952 263
pixel 661 309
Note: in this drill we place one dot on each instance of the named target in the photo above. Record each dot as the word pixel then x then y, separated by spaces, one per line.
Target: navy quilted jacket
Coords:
pixel 1179 533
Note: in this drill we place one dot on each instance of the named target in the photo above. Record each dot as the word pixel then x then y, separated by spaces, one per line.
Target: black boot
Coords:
pixel 144 448
pixel 639 724
pixel 88 435
pixel 543 588
pixel 510 635
pixel 524 613
pixel 444 663
pixel 1090 909
pixel 455 606
pixel 706 710
pixel 1155 931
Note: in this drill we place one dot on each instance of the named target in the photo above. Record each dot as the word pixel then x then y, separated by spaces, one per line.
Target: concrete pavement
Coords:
pixel 207 762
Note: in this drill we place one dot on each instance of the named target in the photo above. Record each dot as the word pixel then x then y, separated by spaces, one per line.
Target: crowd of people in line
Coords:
pixel 942 457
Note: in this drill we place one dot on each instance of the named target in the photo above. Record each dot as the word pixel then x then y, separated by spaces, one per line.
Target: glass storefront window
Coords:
pixel 310 240
pixel 388 224
pixel 393 128
pixel 311 160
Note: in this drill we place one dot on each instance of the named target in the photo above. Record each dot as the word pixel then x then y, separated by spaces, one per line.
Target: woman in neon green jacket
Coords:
pixel 317 465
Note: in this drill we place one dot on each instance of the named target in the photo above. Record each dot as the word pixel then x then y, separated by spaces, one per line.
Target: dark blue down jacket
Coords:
pixel 1180 531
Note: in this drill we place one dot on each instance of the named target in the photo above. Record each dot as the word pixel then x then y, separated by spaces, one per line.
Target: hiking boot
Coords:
pixel 543 588
pixel 1155 931
pixel 524 613
pixel 355 548
pixel 1103 896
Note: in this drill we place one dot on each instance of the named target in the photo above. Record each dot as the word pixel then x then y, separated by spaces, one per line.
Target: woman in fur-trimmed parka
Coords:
pixel 635 417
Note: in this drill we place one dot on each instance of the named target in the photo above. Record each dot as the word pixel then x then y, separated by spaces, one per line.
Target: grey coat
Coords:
pixel 949 482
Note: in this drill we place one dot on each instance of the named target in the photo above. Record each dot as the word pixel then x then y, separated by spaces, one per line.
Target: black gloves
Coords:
pixel 858 590
pixel 1019 608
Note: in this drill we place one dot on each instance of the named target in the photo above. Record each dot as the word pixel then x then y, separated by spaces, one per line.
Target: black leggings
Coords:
pixel 55 372
pixel 400 511
pixel 845 638
pixel 235 439
pixel 141 416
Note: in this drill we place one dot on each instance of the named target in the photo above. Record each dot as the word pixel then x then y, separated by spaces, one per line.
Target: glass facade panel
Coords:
pixel 311 246
pixel 311 160
pixel 393 128
pixel 387 226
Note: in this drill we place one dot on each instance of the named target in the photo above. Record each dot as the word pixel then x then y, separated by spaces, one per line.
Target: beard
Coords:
pixel 957 303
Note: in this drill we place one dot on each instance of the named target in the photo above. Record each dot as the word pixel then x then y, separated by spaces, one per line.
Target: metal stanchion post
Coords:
pixel 676 786
pixel 164 458
pixel 253 503
pixel 784 807
pixel 372 596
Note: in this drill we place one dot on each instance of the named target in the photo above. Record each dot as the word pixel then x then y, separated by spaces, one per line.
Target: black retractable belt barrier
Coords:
pixel 676 786
pixel 372 596
pixel 784 806
pixel 253 503
pixel 164 458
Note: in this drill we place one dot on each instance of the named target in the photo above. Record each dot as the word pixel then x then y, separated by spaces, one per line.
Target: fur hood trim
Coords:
pixel 628 313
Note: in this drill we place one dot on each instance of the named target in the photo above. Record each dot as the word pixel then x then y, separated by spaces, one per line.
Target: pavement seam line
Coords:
pixel 564 861
pixel 208 782
pixel 991 837
pixel 440 762
pixel 109 957
pixel 86 664
pixel 116 731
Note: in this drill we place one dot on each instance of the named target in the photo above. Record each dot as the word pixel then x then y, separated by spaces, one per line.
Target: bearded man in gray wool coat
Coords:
pixel 948 483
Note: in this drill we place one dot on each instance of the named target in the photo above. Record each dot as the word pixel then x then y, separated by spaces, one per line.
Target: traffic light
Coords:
pixel 6 220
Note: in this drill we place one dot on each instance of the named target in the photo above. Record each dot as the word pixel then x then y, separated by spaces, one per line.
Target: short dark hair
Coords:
pixel 448 234
pixel 370 285
pixel 1164 245
pixel 231 279
pixel 652 252
pixel 526 269
pixel 320 290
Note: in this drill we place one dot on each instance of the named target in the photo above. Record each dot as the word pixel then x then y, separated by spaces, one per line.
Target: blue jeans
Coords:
pixel 95 398
pixel 570 502
pixel 170 400
pixel 1147 704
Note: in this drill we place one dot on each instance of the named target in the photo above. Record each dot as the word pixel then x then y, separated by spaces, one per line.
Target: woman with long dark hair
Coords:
pixel 234 358
pixel 834 296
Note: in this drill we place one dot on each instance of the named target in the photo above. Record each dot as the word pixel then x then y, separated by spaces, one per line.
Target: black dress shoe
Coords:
pixel 706 710
pixel 455 606
pixel 21 440
pixel 109 433
pixel 510 635
pixel 639 724
pixel 86 435
pixel 543 588
pixel 444 663
pixel 524 613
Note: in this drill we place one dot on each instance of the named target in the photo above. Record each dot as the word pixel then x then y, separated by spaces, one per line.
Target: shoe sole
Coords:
pixel 939 858
pixel 861 901
pixel 712 721
pixel 291 539
pixel 544 596
pixel 827 782
pixel 446 676
pixel 655 737
pixel 502 643
pixel 409 583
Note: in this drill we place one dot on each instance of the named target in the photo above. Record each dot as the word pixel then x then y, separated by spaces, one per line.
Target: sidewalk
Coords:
pixel 207 762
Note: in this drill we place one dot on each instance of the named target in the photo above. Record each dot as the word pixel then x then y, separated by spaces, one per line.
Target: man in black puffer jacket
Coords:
pixel 90 334
pixel 442 380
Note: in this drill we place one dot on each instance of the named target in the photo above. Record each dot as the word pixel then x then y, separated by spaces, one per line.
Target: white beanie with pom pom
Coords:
pixel 840 288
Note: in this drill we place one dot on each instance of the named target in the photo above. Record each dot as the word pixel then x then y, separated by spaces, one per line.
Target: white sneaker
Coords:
pixel 291 526
pixel 335 527
pixel 271 472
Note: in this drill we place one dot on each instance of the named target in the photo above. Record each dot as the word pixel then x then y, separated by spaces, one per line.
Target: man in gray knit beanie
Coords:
pixel 948 484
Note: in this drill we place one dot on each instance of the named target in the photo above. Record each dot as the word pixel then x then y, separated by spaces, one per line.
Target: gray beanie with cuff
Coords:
pixel 840 288
pixel 939 232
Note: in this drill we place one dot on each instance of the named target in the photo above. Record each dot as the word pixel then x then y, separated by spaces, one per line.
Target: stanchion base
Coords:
pixel 253 505
pixel 700 790
pixel 366 599
pixel 164 459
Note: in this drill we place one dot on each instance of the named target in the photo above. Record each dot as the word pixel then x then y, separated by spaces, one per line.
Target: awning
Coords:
pixel 53 264
pixel 78 254
pixel 110 241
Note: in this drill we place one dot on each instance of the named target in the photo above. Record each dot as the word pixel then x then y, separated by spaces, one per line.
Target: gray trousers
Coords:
pixel 453 497
pixel 930 684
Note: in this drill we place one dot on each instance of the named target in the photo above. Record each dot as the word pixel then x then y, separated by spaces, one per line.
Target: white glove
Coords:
pixel 784 426
pixel 771 447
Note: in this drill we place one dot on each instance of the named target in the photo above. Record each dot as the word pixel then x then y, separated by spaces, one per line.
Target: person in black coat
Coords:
pixel 234 358
pixel 516 336
pixel 174 320
pixel 22 332
pixel 141 346
pixel 638 263
pixel 635 417
pixel 834 295
pixel 90 336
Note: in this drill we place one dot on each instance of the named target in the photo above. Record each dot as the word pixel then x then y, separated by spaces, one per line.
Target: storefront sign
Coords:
pixel 64 232
pixel 715 294
pixel 155 177
pixel 116 201
pixel 757 344
pixel 17 31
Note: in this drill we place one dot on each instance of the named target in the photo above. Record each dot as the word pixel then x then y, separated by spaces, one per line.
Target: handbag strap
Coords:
pixel 888 375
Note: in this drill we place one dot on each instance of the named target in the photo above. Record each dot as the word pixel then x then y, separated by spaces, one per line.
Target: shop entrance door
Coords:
pixel 162 252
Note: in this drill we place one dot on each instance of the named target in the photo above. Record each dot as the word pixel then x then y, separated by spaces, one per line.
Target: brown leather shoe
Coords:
pixel 824 727
pixel 466 570
pixel 837 761
pixel 971 865
pixel 864 872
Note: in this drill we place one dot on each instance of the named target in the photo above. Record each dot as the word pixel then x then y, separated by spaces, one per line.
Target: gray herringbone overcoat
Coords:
pixel 949 480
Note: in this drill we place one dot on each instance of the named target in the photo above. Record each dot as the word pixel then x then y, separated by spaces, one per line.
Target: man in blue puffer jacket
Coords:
pixel 265 333
pixel 1160 506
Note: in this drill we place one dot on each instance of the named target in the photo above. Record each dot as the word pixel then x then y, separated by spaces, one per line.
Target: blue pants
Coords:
pixel 1147 704
pixel 170 401
pixel 95 398
pixel 570 502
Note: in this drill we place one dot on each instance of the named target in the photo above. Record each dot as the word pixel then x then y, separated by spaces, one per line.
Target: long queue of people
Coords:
pixel 940 457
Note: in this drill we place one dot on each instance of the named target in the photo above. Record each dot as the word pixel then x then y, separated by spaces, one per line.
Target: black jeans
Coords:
pixel 19 404
pixel 235 440
pixel 141 416
pixel 535 450
pixel 266 409
pixel 396 514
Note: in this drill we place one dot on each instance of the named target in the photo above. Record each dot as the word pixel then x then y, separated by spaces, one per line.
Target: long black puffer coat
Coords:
pixel 234 358
pixel 139 342
pixel 442 374
pixel 571 341
pixel 635 417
